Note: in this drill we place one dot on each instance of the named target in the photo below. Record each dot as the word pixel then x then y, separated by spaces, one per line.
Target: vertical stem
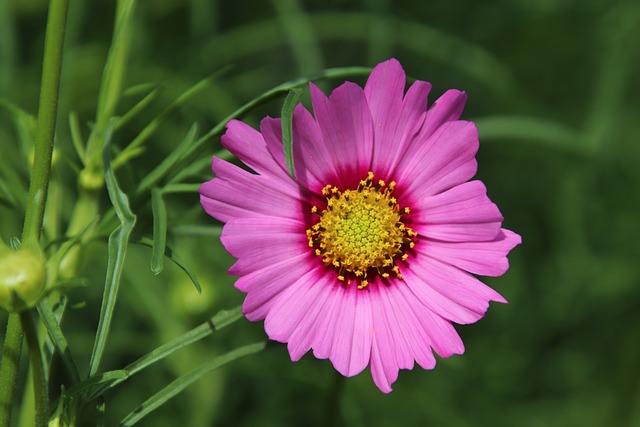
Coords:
pixel 9 368
pixel 40 389
pixel 332 404
pixel 91 178
pixel 47 111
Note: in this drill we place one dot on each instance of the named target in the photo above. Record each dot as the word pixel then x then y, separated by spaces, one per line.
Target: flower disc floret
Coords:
pixel 361 231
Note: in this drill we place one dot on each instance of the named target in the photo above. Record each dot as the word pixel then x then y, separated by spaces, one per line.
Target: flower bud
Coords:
pixel 22 279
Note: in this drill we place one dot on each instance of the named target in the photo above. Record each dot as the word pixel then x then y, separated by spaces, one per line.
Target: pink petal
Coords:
pixel 351 348
pixel 384 369
pixel 237 193
pixel 447 108
pixel 362 334
pixel 248 145
pixel 384 91
pixel 447 291
pixel 444 338
pixel 293 304
pixel 262 286
pixel 405 330
pixel 416 336
pixel 414 107
pixel 344 326
pixel 311 172
pixel 258 242
pixel 312 157
pixel 347 130
pixel 445 160
pixel 484 258
pixel 309 327
pixel 323 342
pixel 391 317
pixel 461 214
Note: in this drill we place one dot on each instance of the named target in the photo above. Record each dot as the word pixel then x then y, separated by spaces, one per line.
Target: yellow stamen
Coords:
pixel 360 231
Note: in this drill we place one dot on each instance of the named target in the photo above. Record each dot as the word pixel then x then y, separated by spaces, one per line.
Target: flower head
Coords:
pixel 369 255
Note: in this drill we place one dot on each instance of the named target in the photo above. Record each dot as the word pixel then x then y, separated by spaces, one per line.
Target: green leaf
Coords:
pixel 100 383
pixel 57 338
pixel 156 175
pixel 159 231
pixel 289 105
pixel 197 167
pixel 329 73
pixel 139 89
pixel 181 188
pixel 141 105
pixel 117 248
pixel 170 169
pixel 112 78
pixel 97 384
pixel 197 230
pixel 6 196
pixel 174 258
pixel 100 412
pixel 177 386
pixel 534 130
pixel 144 135
pixel 217 322
pixel 76 137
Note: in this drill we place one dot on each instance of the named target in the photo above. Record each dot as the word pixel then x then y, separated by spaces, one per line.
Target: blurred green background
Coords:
pixel 553 86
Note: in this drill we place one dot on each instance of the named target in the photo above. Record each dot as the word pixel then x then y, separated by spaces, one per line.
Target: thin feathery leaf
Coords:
pixel 51 322
pixel 289 105
pixel 217 322
pixel 177 386
pixel 159 231
pixel 97 384
pixel 157 174
pixel 174 165
pixel 76 137
pixel 118 243
pixel 128 152
pixel 182 188
pixel 141 105
pixel 168 252
pixel 103 382
pixel 555 135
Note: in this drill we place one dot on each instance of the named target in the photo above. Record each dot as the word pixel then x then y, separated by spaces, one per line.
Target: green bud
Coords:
pixel 22 279
pixel 90 180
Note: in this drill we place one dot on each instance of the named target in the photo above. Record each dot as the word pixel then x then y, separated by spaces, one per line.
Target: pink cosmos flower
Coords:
pixel 368 256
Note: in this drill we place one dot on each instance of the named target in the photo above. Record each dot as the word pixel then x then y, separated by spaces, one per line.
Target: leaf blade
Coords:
pixel 117 249
pixel 169 253
pixel 289 105
pixel 181 383
pixel 159 211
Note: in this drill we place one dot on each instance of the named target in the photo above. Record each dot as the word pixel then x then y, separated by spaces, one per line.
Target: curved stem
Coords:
pixel 9 368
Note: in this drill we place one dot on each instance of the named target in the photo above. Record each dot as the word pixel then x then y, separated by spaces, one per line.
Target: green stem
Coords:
pixel 332 405
pixel 9 368
pixel 40 391
pixel 47 111
pixel 91 178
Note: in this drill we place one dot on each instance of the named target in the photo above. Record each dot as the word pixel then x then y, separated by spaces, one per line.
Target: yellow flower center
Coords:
pixel 361 231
